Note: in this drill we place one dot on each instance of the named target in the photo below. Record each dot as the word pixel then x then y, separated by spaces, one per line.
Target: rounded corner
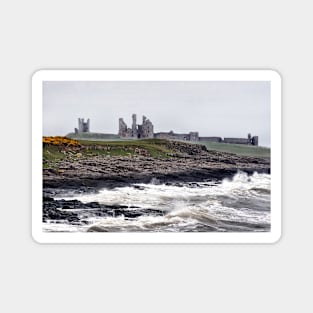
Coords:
pixel 36 238
pixel 276 238
pixel 275 75
pixel 37 75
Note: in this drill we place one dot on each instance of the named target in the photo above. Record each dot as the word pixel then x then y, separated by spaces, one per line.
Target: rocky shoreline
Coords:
pixel 108 172
pixel 75 212
pixel 81 173
pixel 78 172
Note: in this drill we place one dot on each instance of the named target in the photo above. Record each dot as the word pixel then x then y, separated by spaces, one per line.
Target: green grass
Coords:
pixel 150 147
pixel 154 147
pixel 52 153
pixel 246 150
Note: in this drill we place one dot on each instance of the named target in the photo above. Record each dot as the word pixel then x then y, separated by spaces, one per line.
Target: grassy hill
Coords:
pixel 61 148
pixel 245 150
pixel 149 147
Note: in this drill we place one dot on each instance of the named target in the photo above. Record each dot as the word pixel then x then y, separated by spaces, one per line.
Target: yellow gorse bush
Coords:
pixel 60 141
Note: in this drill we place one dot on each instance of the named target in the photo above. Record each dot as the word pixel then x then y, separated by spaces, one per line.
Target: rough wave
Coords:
pixel 240 204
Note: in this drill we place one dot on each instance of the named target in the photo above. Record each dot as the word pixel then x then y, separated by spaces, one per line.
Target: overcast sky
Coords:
pixel 224 109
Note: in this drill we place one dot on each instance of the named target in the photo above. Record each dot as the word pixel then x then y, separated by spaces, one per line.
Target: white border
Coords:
pixel 156 75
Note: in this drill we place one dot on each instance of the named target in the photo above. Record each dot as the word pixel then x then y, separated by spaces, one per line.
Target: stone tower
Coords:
pixel 146 128
pixel 255 140
pixel 122 128
pixel 83 127
pixel 134 126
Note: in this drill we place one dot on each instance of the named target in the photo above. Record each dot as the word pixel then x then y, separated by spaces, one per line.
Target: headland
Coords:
pixel 85 165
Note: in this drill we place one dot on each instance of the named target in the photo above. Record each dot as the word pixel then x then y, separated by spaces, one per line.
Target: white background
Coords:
pixel 155 34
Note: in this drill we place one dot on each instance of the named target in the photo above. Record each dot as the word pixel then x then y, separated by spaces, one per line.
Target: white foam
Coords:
pixel 233 200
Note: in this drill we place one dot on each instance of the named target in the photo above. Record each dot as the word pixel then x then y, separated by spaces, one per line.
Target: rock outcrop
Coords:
pixel 184 162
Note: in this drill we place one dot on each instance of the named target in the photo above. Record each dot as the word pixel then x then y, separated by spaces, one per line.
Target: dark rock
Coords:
pixel 94 205
pixel 48 199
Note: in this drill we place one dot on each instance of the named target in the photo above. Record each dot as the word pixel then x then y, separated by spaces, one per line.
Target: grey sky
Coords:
pixel 224 109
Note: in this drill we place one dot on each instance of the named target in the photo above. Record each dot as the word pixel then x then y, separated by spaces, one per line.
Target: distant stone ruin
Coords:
pixel 83 127
pixel 145 130
pixel 192 136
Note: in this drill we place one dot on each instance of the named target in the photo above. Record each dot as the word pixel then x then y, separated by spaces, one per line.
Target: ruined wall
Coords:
pixel 211 139
pixel 83 127
pixel 171 135
pixel 243 141
pixel 240 141
pixel 122 128
pixel 255 140
pixel 134 132
pixel 145 130
pixel 194 136
pixel 162 135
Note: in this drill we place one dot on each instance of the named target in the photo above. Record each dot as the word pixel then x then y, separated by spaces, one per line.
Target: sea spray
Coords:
pixel 240 204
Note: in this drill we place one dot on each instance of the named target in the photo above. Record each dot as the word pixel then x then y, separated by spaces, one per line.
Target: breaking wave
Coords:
pixel 240 204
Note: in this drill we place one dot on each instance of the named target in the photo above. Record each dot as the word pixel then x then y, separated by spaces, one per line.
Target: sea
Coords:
pixel 239 204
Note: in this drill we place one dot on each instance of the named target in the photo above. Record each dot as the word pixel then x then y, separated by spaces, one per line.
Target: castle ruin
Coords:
pixel 145 130
pixel 83 127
